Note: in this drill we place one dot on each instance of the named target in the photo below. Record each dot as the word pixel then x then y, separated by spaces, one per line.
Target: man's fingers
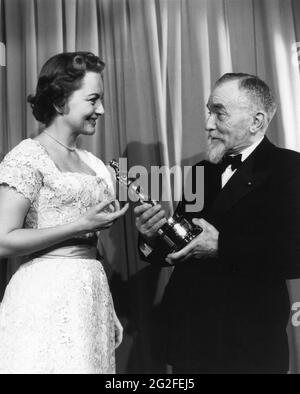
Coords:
pixel 147 212
pixel 152 212
pixel 173 260
pixel 155 219
pixel 140 209
pixel 202 223
pixel 197 222
pixel 151 230
pixel 181 254
pixel 160 224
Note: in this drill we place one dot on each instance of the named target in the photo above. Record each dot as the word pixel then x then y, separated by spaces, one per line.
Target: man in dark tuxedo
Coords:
pixel 226 305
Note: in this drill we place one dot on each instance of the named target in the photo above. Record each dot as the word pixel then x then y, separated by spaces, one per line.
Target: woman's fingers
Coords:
pixel 120 212
pixel 112 204
pixel 103 204
pixel 116 205
pixel 113 216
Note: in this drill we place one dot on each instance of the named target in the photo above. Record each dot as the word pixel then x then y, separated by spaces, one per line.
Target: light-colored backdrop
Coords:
pixel 162 57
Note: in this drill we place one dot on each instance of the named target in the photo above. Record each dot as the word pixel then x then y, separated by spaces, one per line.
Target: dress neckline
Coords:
pixel 58 169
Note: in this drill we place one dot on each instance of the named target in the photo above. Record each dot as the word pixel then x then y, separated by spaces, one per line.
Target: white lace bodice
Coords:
pixel 56 197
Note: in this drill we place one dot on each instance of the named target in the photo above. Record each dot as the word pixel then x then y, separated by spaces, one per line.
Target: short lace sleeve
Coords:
pixel 18 170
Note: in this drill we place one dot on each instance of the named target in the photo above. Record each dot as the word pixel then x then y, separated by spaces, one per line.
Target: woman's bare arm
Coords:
pixel 16 240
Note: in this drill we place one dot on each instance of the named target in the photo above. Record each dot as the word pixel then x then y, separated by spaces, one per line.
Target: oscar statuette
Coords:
pixel 177 232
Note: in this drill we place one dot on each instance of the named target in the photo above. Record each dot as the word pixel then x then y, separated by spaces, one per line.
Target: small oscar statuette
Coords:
pixel 177 232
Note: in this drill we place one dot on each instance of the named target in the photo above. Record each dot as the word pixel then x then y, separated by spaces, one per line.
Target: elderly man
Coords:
pixel 226 305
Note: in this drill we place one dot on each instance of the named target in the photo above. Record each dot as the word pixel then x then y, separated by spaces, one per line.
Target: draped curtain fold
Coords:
pixel 162 58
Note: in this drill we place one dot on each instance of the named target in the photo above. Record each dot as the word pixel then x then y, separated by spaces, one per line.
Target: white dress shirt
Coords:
pixel 227 174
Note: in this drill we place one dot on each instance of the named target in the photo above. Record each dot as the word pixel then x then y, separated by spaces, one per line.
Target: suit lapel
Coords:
pixel 253 172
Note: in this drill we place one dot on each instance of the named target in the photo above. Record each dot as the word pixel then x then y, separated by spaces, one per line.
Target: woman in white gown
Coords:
pixel 57 314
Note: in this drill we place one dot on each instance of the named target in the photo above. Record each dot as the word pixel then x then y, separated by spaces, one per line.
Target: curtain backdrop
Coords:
pixel 162 58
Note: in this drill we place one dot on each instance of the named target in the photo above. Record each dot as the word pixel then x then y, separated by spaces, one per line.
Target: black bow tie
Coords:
pixel 234 161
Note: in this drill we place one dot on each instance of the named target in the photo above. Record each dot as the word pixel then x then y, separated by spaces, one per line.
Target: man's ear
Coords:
pixel 259 122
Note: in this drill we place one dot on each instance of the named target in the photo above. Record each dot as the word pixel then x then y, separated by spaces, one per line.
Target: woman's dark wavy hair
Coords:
pixel 60 76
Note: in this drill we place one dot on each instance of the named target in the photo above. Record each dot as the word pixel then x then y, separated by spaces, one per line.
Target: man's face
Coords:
pixel 228 122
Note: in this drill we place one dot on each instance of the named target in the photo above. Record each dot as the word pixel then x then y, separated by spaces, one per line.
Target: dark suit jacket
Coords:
pixel 229 314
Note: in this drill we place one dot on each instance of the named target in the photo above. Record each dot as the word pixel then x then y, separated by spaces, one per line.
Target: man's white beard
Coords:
pixel 216 151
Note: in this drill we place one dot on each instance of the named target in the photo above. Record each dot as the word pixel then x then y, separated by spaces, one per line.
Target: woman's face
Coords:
pixel 84 106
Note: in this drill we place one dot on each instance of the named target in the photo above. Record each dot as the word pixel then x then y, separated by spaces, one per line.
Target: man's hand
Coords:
pixel 149 219
pixel 204 245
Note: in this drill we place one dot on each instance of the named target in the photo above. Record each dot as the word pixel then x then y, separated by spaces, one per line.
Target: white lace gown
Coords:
pixel 57 312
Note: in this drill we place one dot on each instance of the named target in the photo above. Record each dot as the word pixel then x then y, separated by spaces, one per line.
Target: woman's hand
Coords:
pixel 18 241
pixel 118 331
pixel 102 216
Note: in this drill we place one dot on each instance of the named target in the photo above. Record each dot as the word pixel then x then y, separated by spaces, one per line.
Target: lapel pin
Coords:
pixel 249 183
